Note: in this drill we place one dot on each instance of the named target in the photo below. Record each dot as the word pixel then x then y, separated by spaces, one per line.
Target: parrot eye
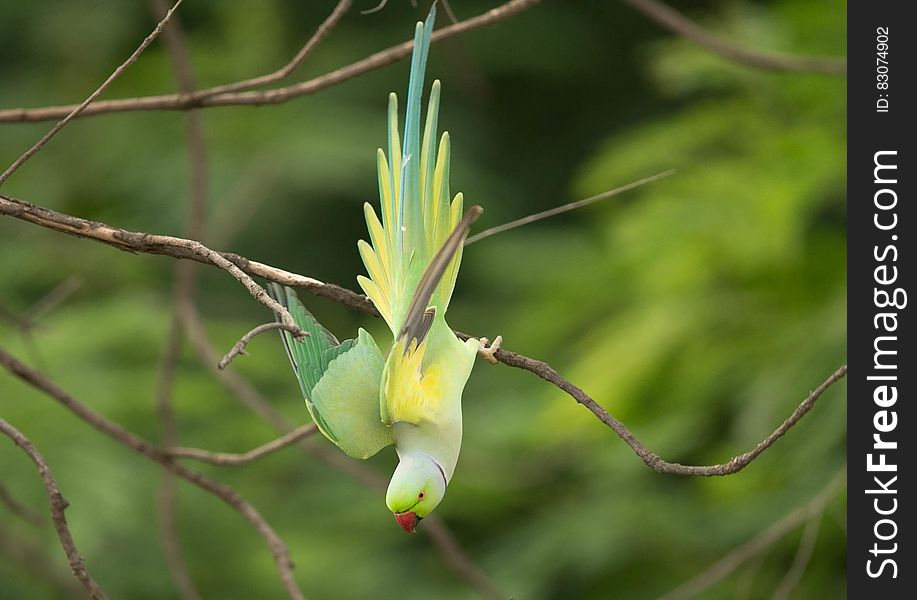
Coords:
pixel 420 496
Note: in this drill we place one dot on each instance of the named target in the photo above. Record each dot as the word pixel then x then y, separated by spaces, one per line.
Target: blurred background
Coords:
pixel 700 309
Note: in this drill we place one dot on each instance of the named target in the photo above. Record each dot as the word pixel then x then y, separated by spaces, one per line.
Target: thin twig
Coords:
pixel 233 459
pixel 166 493
pixel 72 114
pixel 650 458
pixel 18 508
pixel 27 322
pixel 176 247
pixel 458 560
pixel 202 98
pixel 184 287
pixel 802 558
pixel 239 348
pixel 154 244
pixel 35 560
pixel 57 504
pixel 53 299
pixel 375 9
pixel 551 212
pixel 669 18
pixel 449 12
pixel 16 320
pixel 759 543
pixel 140 445
pixel 285 71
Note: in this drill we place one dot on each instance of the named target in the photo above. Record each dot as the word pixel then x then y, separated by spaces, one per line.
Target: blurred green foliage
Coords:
pixel 700 309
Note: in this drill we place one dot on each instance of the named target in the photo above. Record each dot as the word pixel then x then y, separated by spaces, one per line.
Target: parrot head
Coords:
pixel 417 487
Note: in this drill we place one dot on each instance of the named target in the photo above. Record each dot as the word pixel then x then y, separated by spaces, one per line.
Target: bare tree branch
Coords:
pixel 457 559
pixel 285 71
pixel 18 508
pixel 239 348
pixel 177 247
pixel 35 560
pixel 759 543
pixel 204 99
pixel 18 321
pixel 74 113
pixel 375 9
pixel 58 504
pixel 122 435
pixel 243 269
pixel 166 493
pixel 677 23
pixel 184 290
pixel 650 458
pixel 802 558
pixel 151 244
pixel 28 320
pixel 227 458
pixel 559 210
pixel 52 299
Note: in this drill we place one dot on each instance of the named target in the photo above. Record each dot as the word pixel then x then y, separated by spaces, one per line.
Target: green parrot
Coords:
pixel 360 399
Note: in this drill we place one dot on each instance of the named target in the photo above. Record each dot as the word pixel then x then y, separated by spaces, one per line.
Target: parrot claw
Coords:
pixel 488 350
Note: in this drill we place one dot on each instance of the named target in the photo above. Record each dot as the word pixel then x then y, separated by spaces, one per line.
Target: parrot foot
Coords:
pixel 488 350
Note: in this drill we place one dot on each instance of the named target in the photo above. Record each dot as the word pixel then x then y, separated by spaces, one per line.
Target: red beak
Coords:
pixel 408 521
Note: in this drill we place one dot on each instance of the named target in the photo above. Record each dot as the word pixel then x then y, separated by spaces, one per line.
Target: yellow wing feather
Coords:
pixel 412 395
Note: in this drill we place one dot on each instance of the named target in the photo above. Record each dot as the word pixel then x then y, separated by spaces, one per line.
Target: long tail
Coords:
pixel 417 215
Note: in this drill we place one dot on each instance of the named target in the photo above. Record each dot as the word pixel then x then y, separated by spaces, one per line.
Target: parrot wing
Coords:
pixel 427 361
pixel 339 381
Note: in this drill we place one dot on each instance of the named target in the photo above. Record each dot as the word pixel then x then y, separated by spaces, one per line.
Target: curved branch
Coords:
pixel 803 556
pixel 456 558
pixel 650 458
pixel 37 562
pixel 173 39
pixel 669 18
pixel 203 98
pixel 133 241
pixel 759 543
pixel 18 508
pixel 228 458
pixel 75 111
pixel 239 348
pixel 559 210
pixel 140 445
pixel 58 505
pixel 285 71
pixel 176 247
pixel 148 243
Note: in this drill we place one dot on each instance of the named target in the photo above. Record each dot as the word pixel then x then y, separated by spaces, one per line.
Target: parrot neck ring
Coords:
pixel 441 471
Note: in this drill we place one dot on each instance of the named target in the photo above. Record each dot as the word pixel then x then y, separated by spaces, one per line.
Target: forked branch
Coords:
pixel 75 111
pixel 156 454
pixel 178 248
pixel 228 458
pixel 207 97
pixel 133 241
pixel 239 348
